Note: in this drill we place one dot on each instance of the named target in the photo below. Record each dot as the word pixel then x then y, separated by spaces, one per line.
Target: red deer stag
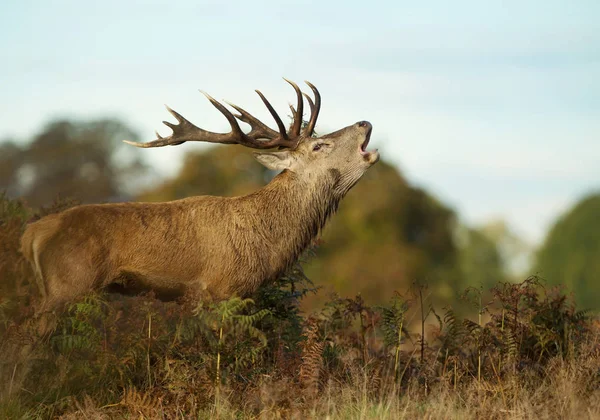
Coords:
pixel 206 246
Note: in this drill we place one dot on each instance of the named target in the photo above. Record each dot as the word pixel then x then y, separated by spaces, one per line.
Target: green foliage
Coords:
pixel 545 323
pixel 527 326
pixel 570 254
pixel 12 211
pixel 229 337
pixel 78 328
pixel 393 318
pixel 393 325
pixel 285 322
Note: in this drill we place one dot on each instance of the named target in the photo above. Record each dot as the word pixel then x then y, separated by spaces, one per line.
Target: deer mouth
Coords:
pixel 371 156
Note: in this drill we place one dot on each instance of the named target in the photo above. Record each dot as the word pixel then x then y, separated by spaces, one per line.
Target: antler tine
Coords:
pixel 235 127
pixel 311 105
pixel 280 125
pixel 314 110
pixel 258 128
pixel 297 123
pixel 294 113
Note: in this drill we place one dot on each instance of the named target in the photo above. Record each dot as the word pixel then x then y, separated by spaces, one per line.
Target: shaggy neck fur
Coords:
pixel 289 213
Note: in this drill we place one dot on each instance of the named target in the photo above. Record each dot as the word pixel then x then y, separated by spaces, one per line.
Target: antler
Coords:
pixel 260 135
pixel 314 110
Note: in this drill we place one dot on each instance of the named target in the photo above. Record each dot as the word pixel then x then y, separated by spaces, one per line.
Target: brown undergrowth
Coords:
pixel 521 352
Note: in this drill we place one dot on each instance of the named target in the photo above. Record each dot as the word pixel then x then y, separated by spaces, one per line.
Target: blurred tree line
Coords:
pixel 570 255
pixel 386 235
pixel 82 160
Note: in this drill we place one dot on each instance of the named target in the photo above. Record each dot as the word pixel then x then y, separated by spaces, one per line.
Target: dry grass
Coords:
pixel 564 393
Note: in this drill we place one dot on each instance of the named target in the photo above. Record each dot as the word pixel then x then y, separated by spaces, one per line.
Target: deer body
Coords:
pixel 203 246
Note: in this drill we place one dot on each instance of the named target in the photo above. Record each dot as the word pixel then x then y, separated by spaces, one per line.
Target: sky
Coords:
pixel 493 106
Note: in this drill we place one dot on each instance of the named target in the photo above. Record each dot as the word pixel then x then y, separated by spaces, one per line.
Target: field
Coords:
pixel 518 350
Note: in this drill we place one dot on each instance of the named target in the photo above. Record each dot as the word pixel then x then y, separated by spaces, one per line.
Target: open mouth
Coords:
pixel 363 147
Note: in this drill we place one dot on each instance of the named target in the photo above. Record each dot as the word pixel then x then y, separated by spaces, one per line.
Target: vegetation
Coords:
pixel 522 351
pixel 85 160
pixel 571 252
pixel 380 346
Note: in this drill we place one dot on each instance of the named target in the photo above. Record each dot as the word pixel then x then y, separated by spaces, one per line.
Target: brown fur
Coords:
pixel 201 246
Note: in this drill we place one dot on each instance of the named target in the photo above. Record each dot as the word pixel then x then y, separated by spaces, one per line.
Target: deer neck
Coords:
pixel 292 209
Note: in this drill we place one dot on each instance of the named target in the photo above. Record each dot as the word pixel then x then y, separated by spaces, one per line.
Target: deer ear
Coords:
pixel 276 161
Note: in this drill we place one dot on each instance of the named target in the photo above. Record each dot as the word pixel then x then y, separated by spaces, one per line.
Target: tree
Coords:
pixel 11 159
pixel 81 160
pixel 224 171
pixel 481 262
pixel 570 254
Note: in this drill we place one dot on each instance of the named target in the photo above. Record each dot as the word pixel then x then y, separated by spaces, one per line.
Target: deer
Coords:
pixel 206 247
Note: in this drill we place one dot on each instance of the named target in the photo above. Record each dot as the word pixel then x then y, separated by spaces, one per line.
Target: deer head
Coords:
pixel 342 152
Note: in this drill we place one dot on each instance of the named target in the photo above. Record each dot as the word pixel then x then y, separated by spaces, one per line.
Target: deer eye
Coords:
pixel 317 147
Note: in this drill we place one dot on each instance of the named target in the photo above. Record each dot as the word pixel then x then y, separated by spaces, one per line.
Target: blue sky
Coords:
pixel 494 106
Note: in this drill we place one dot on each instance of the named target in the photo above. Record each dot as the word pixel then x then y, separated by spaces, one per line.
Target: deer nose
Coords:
pixel 365 124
